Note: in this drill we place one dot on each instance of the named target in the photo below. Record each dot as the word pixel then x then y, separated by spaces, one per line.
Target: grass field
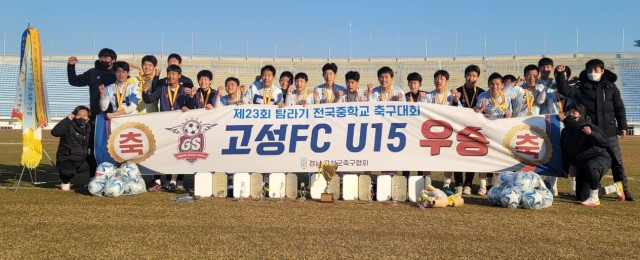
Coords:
pixel 43 222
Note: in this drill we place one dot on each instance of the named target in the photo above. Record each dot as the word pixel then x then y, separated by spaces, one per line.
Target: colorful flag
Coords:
pixel 31 99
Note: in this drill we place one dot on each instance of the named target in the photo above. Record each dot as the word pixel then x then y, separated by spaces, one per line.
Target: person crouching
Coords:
pixel 584 146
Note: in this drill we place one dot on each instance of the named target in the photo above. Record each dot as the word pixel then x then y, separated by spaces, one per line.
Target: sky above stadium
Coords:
pixel 323 28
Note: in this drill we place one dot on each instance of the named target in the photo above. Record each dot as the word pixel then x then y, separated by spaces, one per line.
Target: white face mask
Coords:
pixel 594 76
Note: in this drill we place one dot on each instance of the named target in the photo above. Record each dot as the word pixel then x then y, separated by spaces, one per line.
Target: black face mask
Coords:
pixel 102 64
pixel 81 122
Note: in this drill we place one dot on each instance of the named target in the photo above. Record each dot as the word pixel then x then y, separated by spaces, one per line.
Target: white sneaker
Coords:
pixel 466 190
pixel 572 193
pixel 482 191
pixel 65 187
pixel 590 202
pixel 458 189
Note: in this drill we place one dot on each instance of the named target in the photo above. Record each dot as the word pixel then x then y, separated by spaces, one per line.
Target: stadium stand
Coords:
pixel 63 98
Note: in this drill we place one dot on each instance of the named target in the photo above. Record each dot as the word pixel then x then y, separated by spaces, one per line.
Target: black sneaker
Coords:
pixel 155 187
pixel 628 196
pixel 170 188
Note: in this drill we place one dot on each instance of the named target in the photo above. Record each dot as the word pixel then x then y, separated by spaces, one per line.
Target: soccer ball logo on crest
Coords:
pixel 191 142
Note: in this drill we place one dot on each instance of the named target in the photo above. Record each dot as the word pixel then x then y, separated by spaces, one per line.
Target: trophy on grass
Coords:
pixel 328 171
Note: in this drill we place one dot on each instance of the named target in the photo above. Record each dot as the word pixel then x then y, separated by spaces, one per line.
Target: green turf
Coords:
pixel 39 221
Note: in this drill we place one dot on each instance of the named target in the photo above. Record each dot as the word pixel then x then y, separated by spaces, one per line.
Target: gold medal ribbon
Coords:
pixel 389 94
pixel 501 105
pixel 172 98
pixel 206 98
pixel 560 103
pixel 530 99
pixel 265 97
pixel 304 97
pixel 326 94
pixel 444 97
pixel 120 96
pixel 466 97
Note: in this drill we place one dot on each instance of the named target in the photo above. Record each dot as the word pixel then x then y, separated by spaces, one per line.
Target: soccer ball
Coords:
pixel 114 187
pixel 523 181
pixel 547 198
pixel 494 195
pixel 104 171
pixel 505 179
pixel 129 171
pixel 533 199
pixel 191 127
pixel 135 186
pixel 96 187
pixel 510 198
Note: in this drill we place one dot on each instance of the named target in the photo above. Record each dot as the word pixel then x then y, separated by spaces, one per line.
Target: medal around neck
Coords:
pixel 328 171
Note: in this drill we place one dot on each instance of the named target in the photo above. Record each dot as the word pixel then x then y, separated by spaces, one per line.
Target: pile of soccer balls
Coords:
pixel 520 190
pixel 112 181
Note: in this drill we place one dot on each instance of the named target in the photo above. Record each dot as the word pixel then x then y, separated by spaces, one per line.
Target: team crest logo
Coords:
pixel 191 143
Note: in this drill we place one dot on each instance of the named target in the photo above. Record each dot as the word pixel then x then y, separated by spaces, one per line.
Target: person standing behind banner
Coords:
pixel 386 91
pixel 286 78
pixel 73 148
pixel 328 92
pixel 204 97
pixel 264 92
pixel 299 96
pixel 601 97
pixel 101 74
pixel 149 74
pixel 493 104
pixel 354 93
pixel 414 81
pixel 441 96
pixel 171 97
pixel 232 97
pixel 123 96
pixel 469 93
pixel 174 59
pixel 527 98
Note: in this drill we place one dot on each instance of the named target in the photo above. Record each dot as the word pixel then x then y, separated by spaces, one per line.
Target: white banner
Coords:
pixel 386 136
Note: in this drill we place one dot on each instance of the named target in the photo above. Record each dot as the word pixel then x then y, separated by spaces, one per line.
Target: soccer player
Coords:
pixel 527 99
pixel 122 96
pixel 285 81
pixel 584 146
pixel 441 96
pixel 414 80
pixel 148 75
pixel 493 104
pixel 75 135
pixel 233 97
pixel 203 97
pixel 597 92
pixel 328 92
pixel 264 92
pixel 469 93
pixel 171 97
pixel 354 93
pixel 508 81
pixel 386 91
pixel 299 96
pixel 175 59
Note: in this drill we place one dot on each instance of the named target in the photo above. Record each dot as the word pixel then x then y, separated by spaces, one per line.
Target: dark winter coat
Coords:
pixel 577 146
pixel 602 100
pixel 92 78
pixel 74 140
